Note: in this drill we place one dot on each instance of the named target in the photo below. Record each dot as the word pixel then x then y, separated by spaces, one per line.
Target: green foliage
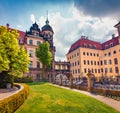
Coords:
pixel 44 55
pixel 24 79
pixel 45 98
pixel 14 59
pixel 10 104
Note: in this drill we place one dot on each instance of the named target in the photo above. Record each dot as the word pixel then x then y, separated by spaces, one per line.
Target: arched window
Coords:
pixel 31 42
pixel 38 43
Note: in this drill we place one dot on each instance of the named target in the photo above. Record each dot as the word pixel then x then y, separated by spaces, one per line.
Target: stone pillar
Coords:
pixel 60 80
pixel 90 81
pixel 71 80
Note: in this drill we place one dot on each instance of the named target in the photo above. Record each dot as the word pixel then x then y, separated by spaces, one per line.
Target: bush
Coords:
pixel 5 78
pixel 12 103
pixel 24 79
pixel 106 92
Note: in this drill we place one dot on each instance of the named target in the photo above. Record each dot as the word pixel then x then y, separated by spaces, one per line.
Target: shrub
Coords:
pixel 107 92
pixel 24 79
pixel 12 103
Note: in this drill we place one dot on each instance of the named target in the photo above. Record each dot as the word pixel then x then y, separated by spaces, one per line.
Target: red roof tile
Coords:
pixel 93 44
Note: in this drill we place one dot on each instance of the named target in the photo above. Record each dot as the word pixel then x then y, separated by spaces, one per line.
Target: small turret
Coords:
pixel 118 28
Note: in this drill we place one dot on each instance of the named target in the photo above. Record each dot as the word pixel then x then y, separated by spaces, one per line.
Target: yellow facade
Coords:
pixel 84 59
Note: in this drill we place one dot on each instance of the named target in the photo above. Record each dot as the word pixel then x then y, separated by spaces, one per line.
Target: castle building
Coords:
pixel 103 59
pixel 31 40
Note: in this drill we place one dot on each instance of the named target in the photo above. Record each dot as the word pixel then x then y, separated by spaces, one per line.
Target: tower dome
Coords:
pixel 47 26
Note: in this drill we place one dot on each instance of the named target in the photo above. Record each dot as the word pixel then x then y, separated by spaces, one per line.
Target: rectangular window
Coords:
pixel 110 70
pixel 115 61
pixel 102 70
pixel 105 62
pixel 110 61
pixel 98 63
pixel 94 62
pixel 31 53
pixel 31 42
pixel 91 62
pixel 31 64
pixel 95 70
pixel 73 71
pixel 92 71
pixel 38 76
pixel 116 70
pixel 109 54
pixel 106 70
pixel 38 64
pixel 85 70
pixel 88 62
pixel 98 70
pixel 84 62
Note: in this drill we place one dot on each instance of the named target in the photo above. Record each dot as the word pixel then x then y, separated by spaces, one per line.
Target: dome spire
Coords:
pixel 47 21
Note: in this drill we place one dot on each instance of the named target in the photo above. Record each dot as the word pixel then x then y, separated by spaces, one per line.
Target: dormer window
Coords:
pixel 106 46
pixel 84 45
pixel 89 45
pixel 95 47
pixel 111 44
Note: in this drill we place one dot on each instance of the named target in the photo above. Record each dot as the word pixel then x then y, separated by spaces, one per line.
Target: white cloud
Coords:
pixel 69 30
pixel 19 26
pixel 32 17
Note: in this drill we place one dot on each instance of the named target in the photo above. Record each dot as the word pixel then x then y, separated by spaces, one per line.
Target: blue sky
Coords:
pixel 69 18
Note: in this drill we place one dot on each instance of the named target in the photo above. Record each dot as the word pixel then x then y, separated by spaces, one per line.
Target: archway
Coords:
pixel 63 77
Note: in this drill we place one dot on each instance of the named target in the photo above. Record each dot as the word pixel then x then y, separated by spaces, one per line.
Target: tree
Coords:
pixel 45 56
pixel 14 59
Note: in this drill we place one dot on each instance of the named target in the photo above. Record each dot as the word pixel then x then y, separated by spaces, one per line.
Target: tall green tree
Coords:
pixel 14 59
pixel 45 56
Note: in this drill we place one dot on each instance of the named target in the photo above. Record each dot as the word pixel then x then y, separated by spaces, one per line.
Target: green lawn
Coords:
pixel 45 98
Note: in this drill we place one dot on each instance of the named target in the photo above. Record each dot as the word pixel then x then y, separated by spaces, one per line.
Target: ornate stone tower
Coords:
pixel 34 30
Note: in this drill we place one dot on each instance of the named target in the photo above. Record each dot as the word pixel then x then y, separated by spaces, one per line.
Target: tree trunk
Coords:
pixel 43 73
pixel 6 78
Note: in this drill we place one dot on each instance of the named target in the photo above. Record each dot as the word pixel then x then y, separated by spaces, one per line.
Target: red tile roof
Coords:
pixel 93 44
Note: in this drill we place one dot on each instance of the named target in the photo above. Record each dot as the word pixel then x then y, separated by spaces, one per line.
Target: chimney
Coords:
pixel 7 25
pixel 113 36
pixel 118 28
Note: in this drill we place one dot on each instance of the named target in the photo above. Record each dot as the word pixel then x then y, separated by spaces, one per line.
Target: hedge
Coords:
pixel 24 79
pixel 12 103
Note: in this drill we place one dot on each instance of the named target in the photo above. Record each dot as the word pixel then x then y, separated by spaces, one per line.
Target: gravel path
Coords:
pixel 5 93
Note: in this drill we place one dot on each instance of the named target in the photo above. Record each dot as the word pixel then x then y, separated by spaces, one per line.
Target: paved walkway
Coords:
pixel 5 93
pixel 111 102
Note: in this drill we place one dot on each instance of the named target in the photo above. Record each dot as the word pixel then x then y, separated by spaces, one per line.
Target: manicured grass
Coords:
pixel 45 98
